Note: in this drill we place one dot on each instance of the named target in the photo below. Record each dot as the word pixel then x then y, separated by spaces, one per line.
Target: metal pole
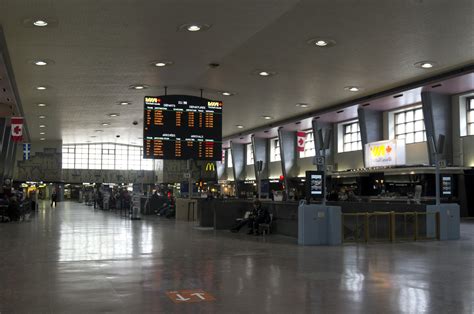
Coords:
pixel 190 182
pixel 437 178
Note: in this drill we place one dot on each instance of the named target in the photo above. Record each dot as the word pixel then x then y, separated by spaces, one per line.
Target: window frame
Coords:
pixel 343 126
pixel 404 135
pixel 469 124
pixel 308 145
pixel 275 152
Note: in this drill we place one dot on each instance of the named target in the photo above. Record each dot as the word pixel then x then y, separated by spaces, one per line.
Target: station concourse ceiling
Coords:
pixel 96 50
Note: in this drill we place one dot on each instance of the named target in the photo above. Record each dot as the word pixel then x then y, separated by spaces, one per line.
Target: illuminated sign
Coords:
pixel 385 153
pixel 210 166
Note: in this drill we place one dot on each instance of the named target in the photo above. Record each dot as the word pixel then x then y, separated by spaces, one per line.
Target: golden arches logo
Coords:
pixel 210 166
pixel 152 100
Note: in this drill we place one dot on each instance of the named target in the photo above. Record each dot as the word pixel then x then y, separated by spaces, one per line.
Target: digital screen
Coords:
pixel 182 127
pixel 315 184
pixel 446 185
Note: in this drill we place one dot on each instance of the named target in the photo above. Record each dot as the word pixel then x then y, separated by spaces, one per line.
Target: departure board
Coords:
pixel 182 127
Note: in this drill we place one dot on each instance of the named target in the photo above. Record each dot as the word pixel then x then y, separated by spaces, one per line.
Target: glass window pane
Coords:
pixel 400 118
pixel 348 129
pixel 419 137
pixel 410 138
pixel 418 114
pixel 471 129
pixel 409 127
pixel 347 138
pixel 470 116
pixel 419 126
pixel 354 137
pixel 355 127
pixel 400 129
pixel 354 146
pixel 347 147
pixel 409 116
pixel 359 145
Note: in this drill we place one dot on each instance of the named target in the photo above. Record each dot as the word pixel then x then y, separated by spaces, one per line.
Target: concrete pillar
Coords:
pixel 288 155
pixel 11 160
pixel 327 135
pixel 260 153
pixel 437 115
pixel 371 127
pixel 238 163
pixel 6 147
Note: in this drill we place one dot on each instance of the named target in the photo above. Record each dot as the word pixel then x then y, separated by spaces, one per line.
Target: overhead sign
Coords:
pixel 385 153
pixel 210 166
pixel 300 140
pixel 447 185
pixel 190 296
pixel 182 127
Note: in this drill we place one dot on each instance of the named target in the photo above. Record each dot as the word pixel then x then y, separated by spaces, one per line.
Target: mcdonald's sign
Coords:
pixel 210 166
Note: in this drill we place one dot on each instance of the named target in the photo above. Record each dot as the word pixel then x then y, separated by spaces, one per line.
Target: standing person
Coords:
pixel 54 198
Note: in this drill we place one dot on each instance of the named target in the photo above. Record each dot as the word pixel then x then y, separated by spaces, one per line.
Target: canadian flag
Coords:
pixel 17 129
pixel 300 139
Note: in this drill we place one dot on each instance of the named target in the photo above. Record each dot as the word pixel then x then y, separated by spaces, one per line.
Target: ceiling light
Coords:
pixel 138 86
pixel 239 126
pixel 42 133
pixel 322 42
pixel 267 117
pixel 124 103
pixel 352 88
pixel 193 28
pixel 161 64
pixel 41 105
pixel 42 126
pixel 42 117
pixel 425 64
pixel 227 93
pixel 41 87
pixel 40 23
pixel 264 73
pixel 114 114
pixel 41 62
pixel 42 139
pixel 105 124
pixel 302 105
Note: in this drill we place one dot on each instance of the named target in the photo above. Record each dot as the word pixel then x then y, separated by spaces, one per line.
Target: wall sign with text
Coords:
pixel 385 153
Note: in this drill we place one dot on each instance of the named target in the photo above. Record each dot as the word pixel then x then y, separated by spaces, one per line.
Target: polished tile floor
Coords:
pixel 76 260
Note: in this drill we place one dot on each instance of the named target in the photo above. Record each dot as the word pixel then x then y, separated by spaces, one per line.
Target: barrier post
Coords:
pixel 415 234
pixel 438 223
pixel 392 226
pixel 366 229
pixel 342 227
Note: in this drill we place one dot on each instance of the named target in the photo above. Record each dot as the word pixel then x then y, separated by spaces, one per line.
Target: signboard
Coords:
pixel 385 153
pixel 190 296
pixel 446 185
pixel 319 160
pixel 26 151
pixel 182 127
pixel 315 184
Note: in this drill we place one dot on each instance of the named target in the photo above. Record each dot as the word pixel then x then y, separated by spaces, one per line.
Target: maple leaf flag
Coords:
pixel 17 129
pixel 300 140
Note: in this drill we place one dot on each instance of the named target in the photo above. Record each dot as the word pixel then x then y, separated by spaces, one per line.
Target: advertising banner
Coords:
pixel 385 153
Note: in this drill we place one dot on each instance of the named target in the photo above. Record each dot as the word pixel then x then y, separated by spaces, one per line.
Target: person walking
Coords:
pixel 54 198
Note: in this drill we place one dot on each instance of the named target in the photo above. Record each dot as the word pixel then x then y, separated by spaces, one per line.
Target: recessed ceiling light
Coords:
pixel 138 86
pixel 42 139
pixel 40 23
pixel 239 126
pixel 322 42
pixel 42 133
pixel 227 93
pixel 114 114
pixel 41 105
pixel 124 103
pixel 162 64
pixel 267 117
pixel 302 105
pixel 194 27
pixel 264 73
pixel 352 88
pixel 425 64
pixel 41 88
pixel 42 117
pixel 40 62
pixel 42 126
pixel 105 124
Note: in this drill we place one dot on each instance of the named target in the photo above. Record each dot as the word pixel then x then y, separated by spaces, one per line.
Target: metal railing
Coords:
pixel 390 226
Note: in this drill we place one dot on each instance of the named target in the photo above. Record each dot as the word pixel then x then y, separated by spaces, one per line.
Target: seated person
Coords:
pixel 249 220
pixel 262 217
pixel 13 210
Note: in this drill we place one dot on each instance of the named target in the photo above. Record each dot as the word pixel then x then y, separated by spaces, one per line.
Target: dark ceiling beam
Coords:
pixel 10 78
pixel 389 92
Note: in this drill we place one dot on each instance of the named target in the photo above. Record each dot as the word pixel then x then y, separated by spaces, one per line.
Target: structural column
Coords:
pixel 287 155
pixel 260 153
pixel 437 117
pixel 238 163
pixel 371 127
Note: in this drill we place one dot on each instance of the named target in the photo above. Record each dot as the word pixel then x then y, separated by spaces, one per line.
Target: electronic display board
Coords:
pixel 315 184
pixel 182 127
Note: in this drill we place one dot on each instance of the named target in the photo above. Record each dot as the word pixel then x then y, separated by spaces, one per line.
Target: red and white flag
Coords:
pixel 300 139
pixel 17 129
